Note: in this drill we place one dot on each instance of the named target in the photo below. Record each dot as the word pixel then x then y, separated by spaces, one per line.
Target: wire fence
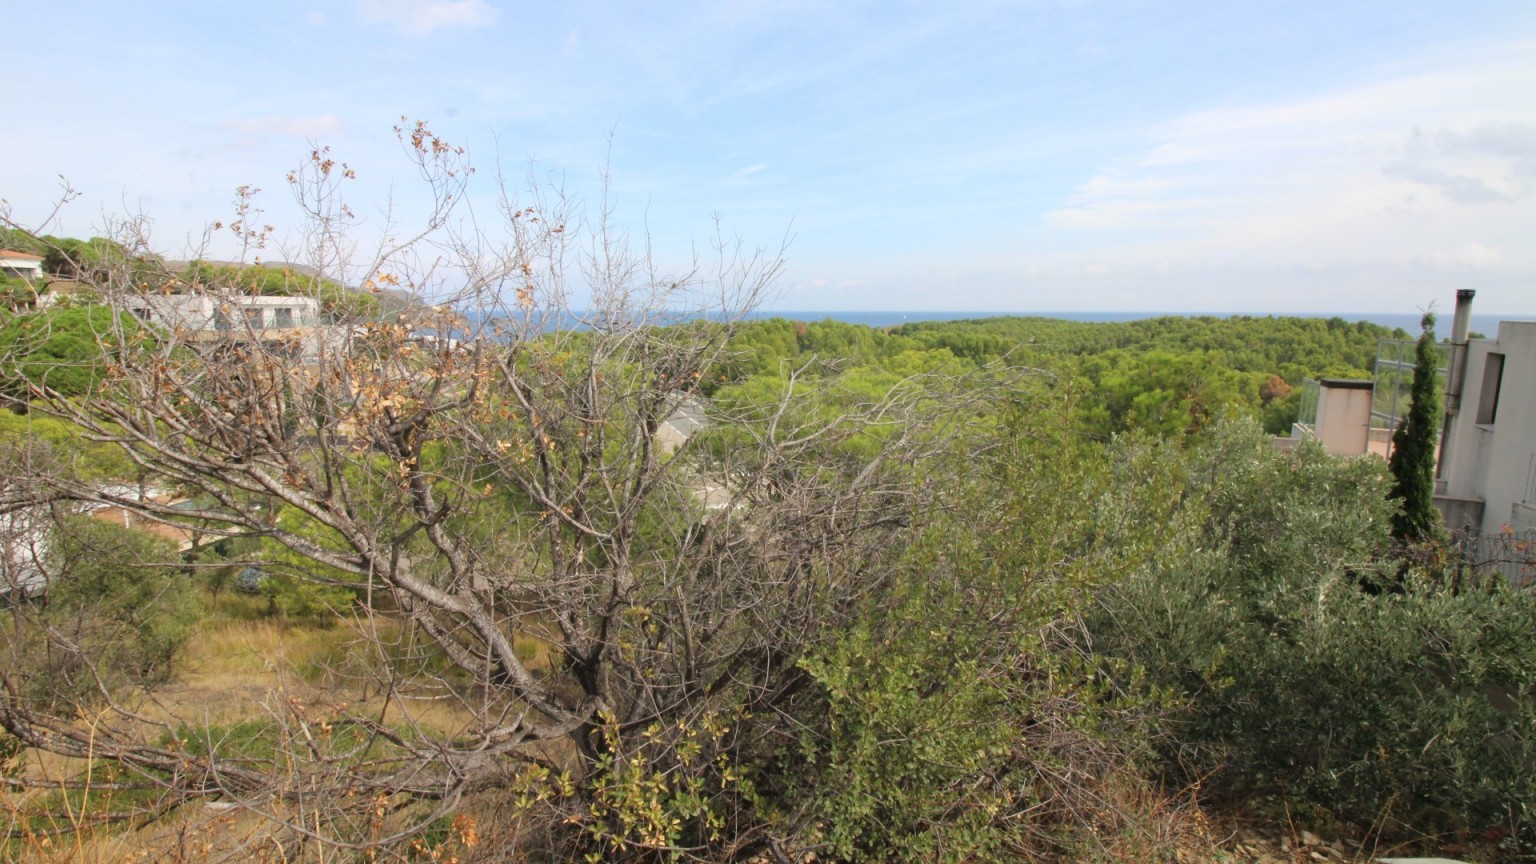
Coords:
pixel 1507 554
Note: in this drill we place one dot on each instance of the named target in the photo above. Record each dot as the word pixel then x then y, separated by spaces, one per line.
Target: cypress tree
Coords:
pixel 1413 447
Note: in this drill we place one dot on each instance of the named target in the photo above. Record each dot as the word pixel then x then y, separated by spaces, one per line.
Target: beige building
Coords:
pixel 1337 412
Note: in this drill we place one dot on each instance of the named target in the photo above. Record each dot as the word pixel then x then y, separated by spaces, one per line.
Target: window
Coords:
pixel 253 317
pixel 282 318
pixel 1488 403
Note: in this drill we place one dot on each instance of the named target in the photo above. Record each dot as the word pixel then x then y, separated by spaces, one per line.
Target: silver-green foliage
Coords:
pixel 956 720
pixel 1302 677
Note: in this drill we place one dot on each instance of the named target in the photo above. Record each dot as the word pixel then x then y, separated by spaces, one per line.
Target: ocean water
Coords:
pixel 1485 324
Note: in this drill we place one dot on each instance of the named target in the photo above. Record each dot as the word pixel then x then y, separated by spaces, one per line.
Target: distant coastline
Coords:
pixel 1485 324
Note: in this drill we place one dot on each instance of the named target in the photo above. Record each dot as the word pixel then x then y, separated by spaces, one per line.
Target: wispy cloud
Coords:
pixel 1460 188
pixel 1470 255
pixel 1492 163
pixel 1514 140
pixel 745 175
pixel 420 17
pixel 1341 179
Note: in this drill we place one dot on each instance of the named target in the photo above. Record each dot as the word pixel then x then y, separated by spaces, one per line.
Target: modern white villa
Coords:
pixel 1486 472
pixel 1486 478
pixel 294 325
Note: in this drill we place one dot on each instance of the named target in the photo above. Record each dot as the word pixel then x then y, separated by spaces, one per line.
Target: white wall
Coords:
pixel 1494 461
pixel 198 317
pixel 27 268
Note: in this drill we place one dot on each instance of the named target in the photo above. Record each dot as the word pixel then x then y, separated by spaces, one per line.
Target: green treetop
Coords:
pixel 1413 447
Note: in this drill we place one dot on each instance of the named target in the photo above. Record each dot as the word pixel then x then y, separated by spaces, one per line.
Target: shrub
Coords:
pixel 115 612
pixel 1415 707
pixel 298 600
pixel 955 720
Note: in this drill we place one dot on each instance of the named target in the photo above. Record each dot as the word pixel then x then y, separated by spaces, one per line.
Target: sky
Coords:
pixel 1258 157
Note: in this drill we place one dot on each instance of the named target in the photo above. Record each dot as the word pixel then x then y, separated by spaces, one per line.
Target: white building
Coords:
pixel 23 550
pixel 291 324
pixel 685 421
pixel 1487 469
pixel 195 313
pixel 21 264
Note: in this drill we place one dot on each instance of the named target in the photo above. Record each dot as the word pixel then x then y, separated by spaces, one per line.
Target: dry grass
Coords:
pixel 240 666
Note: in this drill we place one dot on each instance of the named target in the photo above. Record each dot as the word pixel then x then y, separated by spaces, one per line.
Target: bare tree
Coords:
pixel 482 472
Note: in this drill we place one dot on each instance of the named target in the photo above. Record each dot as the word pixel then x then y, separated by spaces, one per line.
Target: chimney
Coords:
pixel 1456 373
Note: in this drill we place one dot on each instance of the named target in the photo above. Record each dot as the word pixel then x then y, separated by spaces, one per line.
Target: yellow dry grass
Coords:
pixel 237 667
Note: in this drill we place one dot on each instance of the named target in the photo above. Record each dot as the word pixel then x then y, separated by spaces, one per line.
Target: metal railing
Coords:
pixel 1311 395
pixel 1507 554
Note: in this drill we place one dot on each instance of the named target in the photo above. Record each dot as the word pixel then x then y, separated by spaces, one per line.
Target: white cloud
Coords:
pixel 1514 140
pixel 420 17
pixel 1461 188
pixel 1470 255
pixel 1433 169
pixel 1109 186
pixel 744 176
pixel 1491 163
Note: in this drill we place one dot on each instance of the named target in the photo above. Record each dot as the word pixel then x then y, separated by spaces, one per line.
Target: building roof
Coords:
pixel 19 256
pixel 690 416
pixel 1347 383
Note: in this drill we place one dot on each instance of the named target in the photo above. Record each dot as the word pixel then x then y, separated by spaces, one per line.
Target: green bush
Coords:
pixel 299 600
pixel 942 723
pixel 116 611
pixel 69 446
pixel 1301 678
pixel 68 348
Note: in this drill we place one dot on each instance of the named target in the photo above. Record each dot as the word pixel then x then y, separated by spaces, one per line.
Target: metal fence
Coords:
pixel 1393 380
pixel 1507 554
pixel 1311 395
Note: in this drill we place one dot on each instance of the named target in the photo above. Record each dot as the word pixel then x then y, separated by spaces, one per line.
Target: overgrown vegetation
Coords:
pixel 1005 589
pixel 1168 376
pixel 115 612
pixel 1301 680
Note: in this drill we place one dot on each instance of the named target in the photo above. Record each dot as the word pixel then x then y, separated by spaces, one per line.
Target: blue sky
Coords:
pixel 1025 156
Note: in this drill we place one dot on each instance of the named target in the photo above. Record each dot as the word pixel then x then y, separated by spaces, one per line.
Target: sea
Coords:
pixel 1487 325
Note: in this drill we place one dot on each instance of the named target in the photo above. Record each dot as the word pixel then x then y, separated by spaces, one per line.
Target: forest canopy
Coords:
pixel 1168 376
